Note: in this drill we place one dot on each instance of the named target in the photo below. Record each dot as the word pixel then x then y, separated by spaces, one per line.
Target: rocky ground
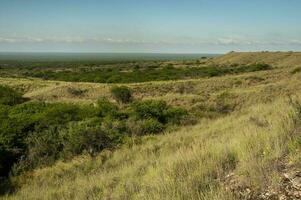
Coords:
pixel 289 188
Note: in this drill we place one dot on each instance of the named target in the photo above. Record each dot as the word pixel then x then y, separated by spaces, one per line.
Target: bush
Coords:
pixel 122 94
pixel 296 70
pixel 9 96
pixel 175 115
pixel 48 146
pixel 260 67
pixel 59 114
pixel 158 110
pixel 76 91
pixel 105 107
pixel 39 123
pixel 151 126
pixel 43 149
pixel 85 137
pixel 6 160
pixel 150 109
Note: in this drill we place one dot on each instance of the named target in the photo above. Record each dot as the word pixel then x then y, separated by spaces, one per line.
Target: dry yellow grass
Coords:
pixel 182 92
pixel 278 59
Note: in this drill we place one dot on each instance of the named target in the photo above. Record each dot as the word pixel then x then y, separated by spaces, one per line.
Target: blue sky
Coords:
pixel 170 26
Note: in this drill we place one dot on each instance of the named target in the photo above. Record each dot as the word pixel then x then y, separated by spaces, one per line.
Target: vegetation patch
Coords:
pixel 296 70
pixel 136 74
pixel 36 134
pixel 9 96
pixel 122 94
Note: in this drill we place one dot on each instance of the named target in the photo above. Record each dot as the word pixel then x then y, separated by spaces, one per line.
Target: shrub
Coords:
pixel 9 96
pixel 6 160
pixel 60 114
pixel 109 109
pixel 260 66
pixel 158 110
pixel 122 94
pixel 43 149
pixel 81 137
pixel 175 115
pixel 76 91
pixel 46 147
pixel 105 107
pixel 38 123
pixel 150 109
pixel 296 70
pixel 151 126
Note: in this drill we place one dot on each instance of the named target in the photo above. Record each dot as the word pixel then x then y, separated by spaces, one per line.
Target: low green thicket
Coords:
pixel 35 134
pixel 135 75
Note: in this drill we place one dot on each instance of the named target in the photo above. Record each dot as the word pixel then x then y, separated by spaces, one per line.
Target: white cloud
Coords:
pixel 224 41
pixel 7 40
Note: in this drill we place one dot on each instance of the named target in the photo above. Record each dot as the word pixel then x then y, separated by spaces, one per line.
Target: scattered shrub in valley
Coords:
pixel 122 94
pixel 142 74
pixel 35 134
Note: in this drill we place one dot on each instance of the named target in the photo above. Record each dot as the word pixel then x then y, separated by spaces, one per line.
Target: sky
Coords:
pixel 150 26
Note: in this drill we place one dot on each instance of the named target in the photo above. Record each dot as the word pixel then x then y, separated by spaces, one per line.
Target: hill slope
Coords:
pixel 248 150
pixel 277 59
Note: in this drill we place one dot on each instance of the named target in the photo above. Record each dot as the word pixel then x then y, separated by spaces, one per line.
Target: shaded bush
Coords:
pixel 296 70
pixel 151 126
pixel 9 96
pixel 76 91
pixel 48 146
pixel 105 107
pixel 175 115
pixel 158 110
pixel 150 109
pixel 7 158
pixel 32 120
pixel 122 94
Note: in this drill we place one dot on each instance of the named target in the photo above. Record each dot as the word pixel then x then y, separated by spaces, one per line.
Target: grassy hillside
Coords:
pixel 277 59
pixel 188 164
pixel 245 143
